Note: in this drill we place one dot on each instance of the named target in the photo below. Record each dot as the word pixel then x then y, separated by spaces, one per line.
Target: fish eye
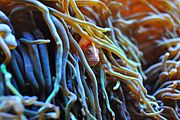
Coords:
pixel 89 51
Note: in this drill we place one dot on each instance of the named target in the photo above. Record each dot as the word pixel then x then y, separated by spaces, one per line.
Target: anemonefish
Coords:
pixel 91 52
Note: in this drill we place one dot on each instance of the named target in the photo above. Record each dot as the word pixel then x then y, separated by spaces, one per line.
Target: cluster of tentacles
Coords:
pixel 44 73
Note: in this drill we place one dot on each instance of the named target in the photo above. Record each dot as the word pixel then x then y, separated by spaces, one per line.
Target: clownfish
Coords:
pixel 91 52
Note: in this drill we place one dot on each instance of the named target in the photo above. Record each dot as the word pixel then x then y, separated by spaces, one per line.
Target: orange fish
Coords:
pixel 91 52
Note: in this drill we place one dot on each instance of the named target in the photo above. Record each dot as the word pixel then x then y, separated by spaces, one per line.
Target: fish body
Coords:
pixel 91 52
